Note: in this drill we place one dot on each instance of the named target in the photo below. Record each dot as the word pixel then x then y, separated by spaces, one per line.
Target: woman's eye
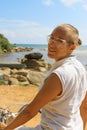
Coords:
pixel 59 40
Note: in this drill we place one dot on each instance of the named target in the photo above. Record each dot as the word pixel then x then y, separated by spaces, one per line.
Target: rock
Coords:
pixel 21 72
pixel 5 70
pixel 14 71
pixel 13 65
pixel 36 56
pixel 33 74
pixel 21 78
pixel 13 81
pixel 35 77
pixel 42 69
pixel 21 49
pixel 6 77
pixel 36 64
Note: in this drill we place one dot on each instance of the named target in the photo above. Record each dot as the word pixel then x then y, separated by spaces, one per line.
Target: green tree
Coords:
pixel 4 44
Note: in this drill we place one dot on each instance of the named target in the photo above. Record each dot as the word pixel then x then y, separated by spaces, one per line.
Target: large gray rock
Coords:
pixel 37 64
pixel 34 55
pixel 20 72
pixel 35 77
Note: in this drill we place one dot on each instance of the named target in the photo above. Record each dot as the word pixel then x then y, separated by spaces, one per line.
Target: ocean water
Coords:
pixel 13 57
pixel 80 52
pixel 33 45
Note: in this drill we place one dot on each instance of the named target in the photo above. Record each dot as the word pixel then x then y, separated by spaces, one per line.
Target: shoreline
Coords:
pixel 80 52
pixel 14 57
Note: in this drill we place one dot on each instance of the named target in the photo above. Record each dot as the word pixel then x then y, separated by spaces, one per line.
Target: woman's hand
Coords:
pixel 2 125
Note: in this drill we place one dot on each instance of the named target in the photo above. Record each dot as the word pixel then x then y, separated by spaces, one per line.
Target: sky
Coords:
pixel 31 21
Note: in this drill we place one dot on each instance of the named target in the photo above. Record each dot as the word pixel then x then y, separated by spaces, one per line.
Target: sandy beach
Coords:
pixel 15 96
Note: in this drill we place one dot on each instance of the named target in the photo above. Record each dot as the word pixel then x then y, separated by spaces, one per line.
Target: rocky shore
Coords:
pixel 31 70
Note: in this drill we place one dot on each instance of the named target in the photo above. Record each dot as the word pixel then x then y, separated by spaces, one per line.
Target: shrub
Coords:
pixel 4 44
pixel 2 82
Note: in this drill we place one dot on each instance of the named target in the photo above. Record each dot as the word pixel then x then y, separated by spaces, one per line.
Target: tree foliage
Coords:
pixel 4 44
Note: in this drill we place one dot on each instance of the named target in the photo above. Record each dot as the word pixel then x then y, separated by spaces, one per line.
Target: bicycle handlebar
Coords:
pixel 6 116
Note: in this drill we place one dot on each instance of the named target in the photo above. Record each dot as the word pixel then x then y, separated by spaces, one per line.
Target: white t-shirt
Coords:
pixel 63 112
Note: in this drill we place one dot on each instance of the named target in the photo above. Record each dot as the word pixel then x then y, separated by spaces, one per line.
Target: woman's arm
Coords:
pixel 51 88
pixel 2 125
pixel 83 110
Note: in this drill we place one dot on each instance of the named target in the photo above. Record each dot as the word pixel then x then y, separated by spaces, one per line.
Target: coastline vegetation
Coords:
pixel 2 82
pixel 5 45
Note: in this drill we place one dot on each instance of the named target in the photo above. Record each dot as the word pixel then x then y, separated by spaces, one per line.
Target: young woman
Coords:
pixel 63 89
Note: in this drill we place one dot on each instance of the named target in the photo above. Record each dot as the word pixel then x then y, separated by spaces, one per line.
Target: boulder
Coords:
pixel 36 56
pixel 37 64
pixel 6 77
pixel 23 72
pixel 21 78
pixel 13 81
pixel 35 77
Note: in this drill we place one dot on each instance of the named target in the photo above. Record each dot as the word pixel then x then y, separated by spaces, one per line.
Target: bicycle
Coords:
pixel 7 116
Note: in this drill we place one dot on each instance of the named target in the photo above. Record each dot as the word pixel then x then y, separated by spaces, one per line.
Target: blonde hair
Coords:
pixel 73 34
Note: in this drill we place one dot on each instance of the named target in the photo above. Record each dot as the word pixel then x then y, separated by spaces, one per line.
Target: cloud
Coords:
pixel 70 2
pixel 84 4
pixel 67 3
pixel 21 31
pixel 85 7
pixel 48 2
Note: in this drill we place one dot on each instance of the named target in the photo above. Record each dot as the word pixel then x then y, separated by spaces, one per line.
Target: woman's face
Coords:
pixel 58 47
